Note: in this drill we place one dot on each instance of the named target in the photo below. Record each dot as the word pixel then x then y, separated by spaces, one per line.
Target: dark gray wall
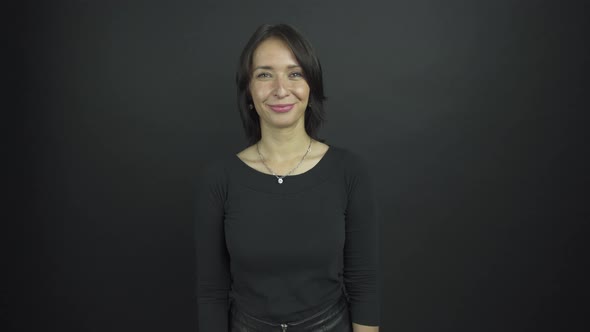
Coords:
pixel 470 113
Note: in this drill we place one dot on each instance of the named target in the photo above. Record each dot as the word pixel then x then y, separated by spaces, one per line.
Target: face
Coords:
pixel 279 91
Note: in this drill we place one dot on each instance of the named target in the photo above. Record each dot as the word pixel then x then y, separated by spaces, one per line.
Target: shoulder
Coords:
pixel 212 166
pixel 211 183
pixel 322 147
pixel 248 153
pixel 213 171
pixel 357 174
pixel 356 169
pixel 351 160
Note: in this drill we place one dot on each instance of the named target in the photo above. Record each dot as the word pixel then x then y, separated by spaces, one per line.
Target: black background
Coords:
pixel 469 113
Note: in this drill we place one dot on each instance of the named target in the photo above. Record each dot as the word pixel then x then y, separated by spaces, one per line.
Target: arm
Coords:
pixel 361 249
pixel 213 276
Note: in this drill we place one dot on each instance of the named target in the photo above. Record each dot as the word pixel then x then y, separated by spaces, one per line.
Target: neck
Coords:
pixel 283 144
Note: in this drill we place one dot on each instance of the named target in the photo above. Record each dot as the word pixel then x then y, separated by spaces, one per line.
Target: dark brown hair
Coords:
pixel 312 73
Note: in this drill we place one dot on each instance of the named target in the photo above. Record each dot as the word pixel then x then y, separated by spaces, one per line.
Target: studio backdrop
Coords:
pixel 466 112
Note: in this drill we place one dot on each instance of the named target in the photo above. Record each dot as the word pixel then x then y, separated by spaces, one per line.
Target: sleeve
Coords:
pixel 361 249
pixel 213 280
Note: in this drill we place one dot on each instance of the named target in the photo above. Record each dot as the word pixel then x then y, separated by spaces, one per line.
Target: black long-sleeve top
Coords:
pixel 282 252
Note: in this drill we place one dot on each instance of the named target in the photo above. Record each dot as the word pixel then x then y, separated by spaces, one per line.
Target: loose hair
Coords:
pixel 312 73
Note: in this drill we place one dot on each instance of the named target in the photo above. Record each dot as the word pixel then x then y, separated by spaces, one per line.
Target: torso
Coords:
pixel 251 158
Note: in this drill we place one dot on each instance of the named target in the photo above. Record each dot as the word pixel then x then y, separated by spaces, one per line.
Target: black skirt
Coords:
pixel 335 318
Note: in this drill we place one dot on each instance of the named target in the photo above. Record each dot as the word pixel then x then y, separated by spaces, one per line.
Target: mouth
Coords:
pixel 281 108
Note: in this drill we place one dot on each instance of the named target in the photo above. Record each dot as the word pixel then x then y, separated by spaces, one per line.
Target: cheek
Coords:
pixel 259 92
pixel 302 92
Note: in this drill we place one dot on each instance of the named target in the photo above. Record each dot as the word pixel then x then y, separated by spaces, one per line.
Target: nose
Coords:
pixel 281 88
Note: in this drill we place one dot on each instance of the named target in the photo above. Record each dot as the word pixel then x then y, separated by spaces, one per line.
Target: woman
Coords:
pixel 287 234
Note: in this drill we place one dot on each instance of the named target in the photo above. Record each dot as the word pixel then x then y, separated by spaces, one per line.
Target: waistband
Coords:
pixel 302 325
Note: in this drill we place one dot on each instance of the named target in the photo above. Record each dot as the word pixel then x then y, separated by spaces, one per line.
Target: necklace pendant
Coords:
pixel 280 180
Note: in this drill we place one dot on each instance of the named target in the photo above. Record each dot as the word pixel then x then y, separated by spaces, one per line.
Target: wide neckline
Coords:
pixel 318 164
pixel 260 181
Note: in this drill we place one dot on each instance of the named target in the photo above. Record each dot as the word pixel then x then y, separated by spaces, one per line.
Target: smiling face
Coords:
pixel 279 91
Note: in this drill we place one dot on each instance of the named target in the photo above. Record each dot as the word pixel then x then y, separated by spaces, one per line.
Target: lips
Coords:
pixel 281 108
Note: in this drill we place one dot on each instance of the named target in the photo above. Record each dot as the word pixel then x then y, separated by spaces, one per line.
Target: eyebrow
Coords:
pixel 270 67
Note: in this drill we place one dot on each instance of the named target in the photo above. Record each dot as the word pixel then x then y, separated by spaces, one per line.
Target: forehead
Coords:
pixel 273 51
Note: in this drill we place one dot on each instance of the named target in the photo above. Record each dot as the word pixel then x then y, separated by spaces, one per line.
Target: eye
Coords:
pixel 263 75
pixel 296 74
